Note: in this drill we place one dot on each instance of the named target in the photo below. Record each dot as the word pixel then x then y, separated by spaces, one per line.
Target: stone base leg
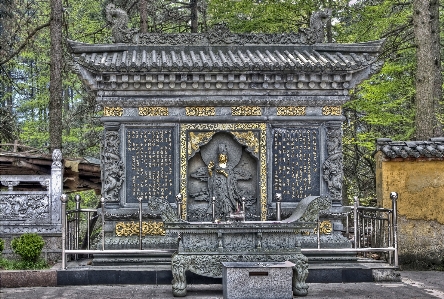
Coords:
pixel 178 268
pixel 300 274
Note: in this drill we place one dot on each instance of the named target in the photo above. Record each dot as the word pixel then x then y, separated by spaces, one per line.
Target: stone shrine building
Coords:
pixel 236 117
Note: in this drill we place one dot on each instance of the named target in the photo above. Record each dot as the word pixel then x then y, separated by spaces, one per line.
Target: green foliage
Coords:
pixel 88 200
pixel 23 265
pixel 28 246
pixel 8 125
pixel 383 106
pixel 2 245
pixel 254 16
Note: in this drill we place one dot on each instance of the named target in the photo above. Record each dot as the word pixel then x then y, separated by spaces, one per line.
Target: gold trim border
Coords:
pixel 152 228
pixel 291 111
pixel 246 111
pixel 200 111
pixel 112 111
pixel 153 111
pixel 184 128
pixel 332 110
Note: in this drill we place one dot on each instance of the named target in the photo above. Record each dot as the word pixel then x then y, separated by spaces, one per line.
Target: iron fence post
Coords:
pixel 63 199
pixel 102 202
pixel 394 198
pixel 355 220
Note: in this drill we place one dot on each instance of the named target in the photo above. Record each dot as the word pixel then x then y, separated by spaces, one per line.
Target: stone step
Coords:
pixel 82 273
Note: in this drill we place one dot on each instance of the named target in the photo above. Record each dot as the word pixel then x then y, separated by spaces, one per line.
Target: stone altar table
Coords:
pixel 204 246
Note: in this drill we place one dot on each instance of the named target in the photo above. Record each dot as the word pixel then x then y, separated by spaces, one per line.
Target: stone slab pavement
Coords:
pixel 415 284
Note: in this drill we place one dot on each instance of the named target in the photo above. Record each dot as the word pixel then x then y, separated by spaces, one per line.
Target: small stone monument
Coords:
pixel 247 280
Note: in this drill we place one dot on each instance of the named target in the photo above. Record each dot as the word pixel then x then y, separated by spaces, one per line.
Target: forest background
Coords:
pixel 43 103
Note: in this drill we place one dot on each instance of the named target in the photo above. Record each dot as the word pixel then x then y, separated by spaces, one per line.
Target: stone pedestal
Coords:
pixel 246 280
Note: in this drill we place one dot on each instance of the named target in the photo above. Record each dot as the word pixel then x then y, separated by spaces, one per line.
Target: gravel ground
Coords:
pixel 415 284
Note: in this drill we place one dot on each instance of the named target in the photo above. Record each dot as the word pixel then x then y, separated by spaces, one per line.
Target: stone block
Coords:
pixel 28 278
pixel 250 280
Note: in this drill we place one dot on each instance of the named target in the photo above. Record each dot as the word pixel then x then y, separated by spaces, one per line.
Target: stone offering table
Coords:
pixel 204 246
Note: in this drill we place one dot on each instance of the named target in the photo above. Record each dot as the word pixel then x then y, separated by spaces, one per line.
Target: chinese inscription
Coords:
pixel 296 163
pixel 149 161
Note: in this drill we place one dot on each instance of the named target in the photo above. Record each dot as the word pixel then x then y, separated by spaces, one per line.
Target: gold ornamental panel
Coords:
pixel 200 111
pixel 113 111
pixel 246 111
pixel 196 139
pixel 242 131
pixel 291 111
pixel 151 228
pixel 153 111
pixel 325 228
pixel 332 110
pixel 248 138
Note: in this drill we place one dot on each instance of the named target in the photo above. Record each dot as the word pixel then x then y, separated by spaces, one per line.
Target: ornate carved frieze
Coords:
pixel 153 111
pixel 222 81
pixel 112 111
pixel 332 167
pixel 200 111
pixel 332 110
pixel 24 207
pixel 130 216
pixel 246 111
pixel 291 111
pixel 113 174
pixel 218 34
pixel 132 228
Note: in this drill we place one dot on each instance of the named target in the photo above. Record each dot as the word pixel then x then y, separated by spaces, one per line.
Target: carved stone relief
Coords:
pixel 113 174
pixel 224 170
pixel 332 167
pixel 25 207
pixel 246 153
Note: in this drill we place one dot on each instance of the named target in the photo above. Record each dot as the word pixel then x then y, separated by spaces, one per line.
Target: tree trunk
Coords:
pixel 428 73
pixel 143 16
pixel 55 84
pixel 194 16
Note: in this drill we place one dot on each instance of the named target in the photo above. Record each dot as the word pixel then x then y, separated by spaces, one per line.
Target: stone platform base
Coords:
pixel 82 273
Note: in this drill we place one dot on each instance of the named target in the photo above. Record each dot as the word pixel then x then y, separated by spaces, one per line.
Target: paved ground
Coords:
pixel 415 284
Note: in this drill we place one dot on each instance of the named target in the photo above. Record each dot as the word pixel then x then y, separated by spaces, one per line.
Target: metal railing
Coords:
pixel 78 221
pixel 372 231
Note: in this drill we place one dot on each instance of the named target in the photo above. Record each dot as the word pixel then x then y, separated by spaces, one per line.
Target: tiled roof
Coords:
pixel 434 148
pixel 161 58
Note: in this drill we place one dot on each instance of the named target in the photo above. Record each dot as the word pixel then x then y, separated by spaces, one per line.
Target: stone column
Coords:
pixel 56 187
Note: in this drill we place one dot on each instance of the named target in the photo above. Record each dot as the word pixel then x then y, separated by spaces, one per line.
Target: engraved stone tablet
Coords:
pixel 149 163
pixel 296 171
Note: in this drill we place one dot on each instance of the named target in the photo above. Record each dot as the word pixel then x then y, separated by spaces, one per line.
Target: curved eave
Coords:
pixel 127 58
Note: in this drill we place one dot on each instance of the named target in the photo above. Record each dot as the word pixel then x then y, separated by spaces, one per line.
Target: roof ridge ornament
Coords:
pixel 219 34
